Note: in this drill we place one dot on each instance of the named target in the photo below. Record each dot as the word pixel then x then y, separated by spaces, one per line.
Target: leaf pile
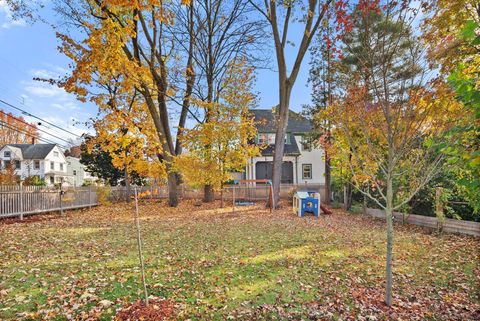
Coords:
pixel 158 310
pixel 215 265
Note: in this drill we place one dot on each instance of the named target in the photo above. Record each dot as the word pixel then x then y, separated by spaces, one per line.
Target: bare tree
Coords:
pixel 225 31
pixel 151 48
pixel 279 15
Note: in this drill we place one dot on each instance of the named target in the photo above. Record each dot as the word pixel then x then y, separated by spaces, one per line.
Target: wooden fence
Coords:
pixel 28 200
pixel 447 225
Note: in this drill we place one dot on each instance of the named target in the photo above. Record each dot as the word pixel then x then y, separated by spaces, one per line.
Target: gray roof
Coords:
pixel 265 121
pixel 35 151
pixel 290 149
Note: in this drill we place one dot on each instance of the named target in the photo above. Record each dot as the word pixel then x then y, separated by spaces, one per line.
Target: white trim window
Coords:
pixel 7 153
pixel 262 138
pixel 306 171
pixel 61 166
pixel 36 164
pixel 306 144
pixel 52 166
pixel 55 154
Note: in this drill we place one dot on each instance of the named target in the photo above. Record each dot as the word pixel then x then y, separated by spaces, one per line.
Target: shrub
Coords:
pixel 103 192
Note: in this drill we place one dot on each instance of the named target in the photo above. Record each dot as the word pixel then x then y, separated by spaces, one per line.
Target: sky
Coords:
pixel 30 50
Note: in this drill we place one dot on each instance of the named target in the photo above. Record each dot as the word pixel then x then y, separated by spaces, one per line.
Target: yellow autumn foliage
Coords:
pixel 222 145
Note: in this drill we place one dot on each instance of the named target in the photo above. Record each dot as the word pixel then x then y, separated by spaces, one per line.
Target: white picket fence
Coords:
pixel 28 200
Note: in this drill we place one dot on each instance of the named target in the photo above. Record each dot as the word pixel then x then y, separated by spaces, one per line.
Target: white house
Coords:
pixel 46 161
pixel 77 173
pixel 302 163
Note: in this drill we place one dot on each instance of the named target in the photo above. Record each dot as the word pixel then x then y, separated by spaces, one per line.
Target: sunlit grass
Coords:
pixel 213 263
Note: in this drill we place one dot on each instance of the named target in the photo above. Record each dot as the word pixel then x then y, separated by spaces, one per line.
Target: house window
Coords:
pixel 61 166
pixel 262 139
pixel 74 173
pixel 18 165
pixel 55 154
pixel 306 171
pixel 306 144
pixel 7 153
pixel 285 139
pixel 52 166
pixel 36 164
pixel 271 139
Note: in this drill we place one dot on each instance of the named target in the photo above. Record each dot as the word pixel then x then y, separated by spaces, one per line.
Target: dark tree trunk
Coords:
pixel 208 194
pixel 127 185
pixel 172 190
pixel 327 179
pixel 282 122
pixel 347 197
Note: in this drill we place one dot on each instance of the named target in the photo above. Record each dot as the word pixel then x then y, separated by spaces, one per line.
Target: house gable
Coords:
pixel 56 155
pixel 265 122
pixel 15 153
pixel 35 151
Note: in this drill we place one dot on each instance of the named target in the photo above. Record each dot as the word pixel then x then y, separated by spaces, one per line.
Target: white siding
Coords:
pixel 77 175
pixel 315 157
pixel 27 167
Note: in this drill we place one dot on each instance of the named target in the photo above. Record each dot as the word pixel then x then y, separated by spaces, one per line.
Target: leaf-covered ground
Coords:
pixel 215 265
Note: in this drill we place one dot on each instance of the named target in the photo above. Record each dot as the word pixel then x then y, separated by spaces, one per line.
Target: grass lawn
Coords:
pixel 252 265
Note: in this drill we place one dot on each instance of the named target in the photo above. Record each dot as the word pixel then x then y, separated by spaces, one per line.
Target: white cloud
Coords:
pixel 6 17
pixel 45 91
pixel 44 73
pixel 55 105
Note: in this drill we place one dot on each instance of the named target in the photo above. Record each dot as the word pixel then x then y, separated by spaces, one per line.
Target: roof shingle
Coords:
pixel 265 121
pixel 36 151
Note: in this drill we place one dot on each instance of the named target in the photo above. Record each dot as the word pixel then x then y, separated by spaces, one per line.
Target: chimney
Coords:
pixel 33 140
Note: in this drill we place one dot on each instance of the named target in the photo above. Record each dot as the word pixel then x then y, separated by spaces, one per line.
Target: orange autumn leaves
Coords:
pixel 360 128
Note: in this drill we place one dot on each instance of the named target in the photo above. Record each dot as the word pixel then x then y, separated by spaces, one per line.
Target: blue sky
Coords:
pixel 28 51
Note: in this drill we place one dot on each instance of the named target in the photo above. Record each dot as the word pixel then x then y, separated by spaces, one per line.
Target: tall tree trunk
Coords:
pixel 282 122
pixel 172 189
pixel 347 197
pixel 127 185
pixel 208 193
pixel 389 217
pixel 190 81
pixel 327 179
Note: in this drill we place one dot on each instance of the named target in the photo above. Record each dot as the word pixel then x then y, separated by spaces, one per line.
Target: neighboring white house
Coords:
pixel 302 163
pixel 46 161
pixel 77 174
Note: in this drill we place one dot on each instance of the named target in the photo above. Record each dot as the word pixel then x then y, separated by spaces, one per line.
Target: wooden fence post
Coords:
pixel 61 199
pixel 439 209
pixel 233 197
pixel 89 196
pixel 21 201
pixel 221 197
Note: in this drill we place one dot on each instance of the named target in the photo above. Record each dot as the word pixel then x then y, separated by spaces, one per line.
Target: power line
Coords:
pixel 29 134
pixel 33 126
pixel 9 126
pixel 29 114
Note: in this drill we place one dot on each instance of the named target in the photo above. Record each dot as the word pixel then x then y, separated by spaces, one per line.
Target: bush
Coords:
pixel 34 181
pixel 103 192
